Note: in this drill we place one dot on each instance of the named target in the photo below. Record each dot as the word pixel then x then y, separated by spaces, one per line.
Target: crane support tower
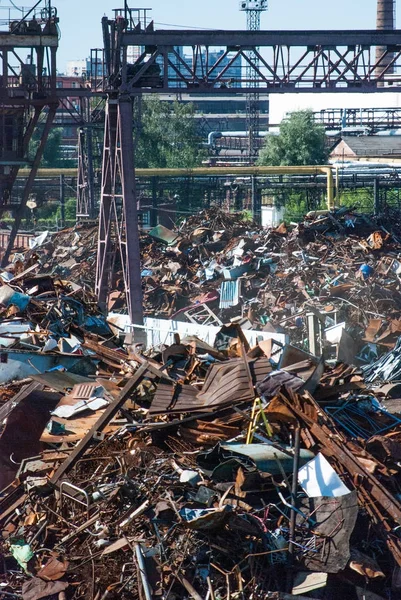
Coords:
pixel 28 101
pixel 253 9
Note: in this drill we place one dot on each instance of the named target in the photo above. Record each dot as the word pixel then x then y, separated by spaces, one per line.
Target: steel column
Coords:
pixel 103 273
pixel 85 180
pixel 376 194
pixel 129 243
pixel 118 223
pixel 252 100
pixel 62 200
pixel 153 212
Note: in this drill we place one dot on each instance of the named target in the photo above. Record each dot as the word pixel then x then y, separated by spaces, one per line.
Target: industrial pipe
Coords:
pixel 215 135
pixel 215 171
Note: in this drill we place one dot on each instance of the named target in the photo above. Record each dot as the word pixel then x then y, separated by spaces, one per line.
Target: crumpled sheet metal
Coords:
pixel 138 485
pixel 36 588
pixel 143 486
pixel 272 283
pixel 387 368
pixel 328 513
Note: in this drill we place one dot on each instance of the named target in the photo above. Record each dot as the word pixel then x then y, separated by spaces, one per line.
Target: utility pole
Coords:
pixel 253 9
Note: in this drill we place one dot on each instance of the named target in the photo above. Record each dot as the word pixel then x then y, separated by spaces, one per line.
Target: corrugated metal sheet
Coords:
pixel 60 380
pixel 226 383
pixel 84 390
pixel 229 293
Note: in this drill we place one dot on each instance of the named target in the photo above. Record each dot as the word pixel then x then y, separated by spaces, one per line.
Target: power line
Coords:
pixel 16 7
pixel 185 26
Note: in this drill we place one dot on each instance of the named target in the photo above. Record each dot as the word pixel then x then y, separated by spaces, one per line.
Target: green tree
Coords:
pixel 167 136
pixel 52 151
pixel 70 209
pixel 300 142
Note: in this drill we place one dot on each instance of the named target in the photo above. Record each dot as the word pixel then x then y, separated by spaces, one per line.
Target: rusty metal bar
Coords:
pixel 103 420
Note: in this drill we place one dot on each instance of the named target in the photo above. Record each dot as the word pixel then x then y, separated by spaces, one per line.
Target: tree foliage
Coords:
pixel 52 157
pixel 167 135
pixel 300 142
pixel 70 209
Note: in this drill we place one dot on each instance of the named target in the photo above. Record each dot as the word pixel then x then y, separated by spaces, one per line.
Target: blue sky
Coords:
pixel 81 29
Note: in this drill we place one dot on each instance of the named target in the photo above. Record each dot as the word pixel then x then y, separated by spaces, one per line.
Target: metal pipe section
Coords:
pixel 255 171
pixel 293 517
pixel 215 135
pixel 216 171
pixel 142 572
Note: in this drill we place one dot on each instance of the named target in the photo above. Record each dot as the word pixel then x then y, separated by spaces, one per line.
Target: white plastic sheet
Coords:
pixel 318 478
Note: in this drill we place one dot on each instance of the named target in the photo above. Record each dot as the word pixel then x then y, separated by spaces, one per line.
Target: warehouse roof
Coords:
pixel 370 145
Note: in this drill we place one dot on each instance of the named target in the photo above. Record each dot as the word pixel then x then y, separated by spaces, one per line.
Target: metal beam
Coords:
pixel 262 38
pixel 288 61
pixel 9 40
pixel 104 419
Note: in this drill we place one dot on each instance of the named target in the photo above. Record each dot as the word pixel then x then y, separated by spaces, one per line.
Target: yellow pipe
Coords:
pixel 337 186
pixel 49 172
pixel 216 171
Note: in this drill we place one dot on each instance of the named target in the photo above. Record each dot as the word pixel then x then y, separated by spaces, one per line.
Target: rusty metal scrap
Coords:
pixel 207 470
pixel 343 267
pixel 132 513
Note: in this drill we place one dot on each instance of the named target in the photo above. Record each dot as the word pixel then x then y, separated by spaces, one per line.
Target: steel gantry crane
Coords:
pixel 28 101
pixel 292 61
pixel 253 9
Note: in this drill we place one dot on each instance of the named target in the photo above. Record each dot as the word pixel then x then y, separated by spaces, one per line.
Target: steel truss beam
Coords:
pixel 118 221
pixel 274 61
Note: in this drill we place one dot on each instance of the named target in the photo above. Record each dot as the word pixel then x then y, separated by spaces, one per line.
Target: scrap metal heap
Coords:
pixel 223 469
pixel 337 273
pixel 194 471
pixel 206 471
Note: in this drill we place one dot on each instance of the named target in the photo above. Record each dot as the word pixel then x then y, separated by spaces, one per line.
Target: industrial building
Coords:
pixel 374 148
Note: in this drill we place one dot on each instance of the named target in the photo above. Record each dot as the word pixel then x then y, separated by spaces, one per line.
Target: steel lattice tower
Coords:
pixel 253 9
